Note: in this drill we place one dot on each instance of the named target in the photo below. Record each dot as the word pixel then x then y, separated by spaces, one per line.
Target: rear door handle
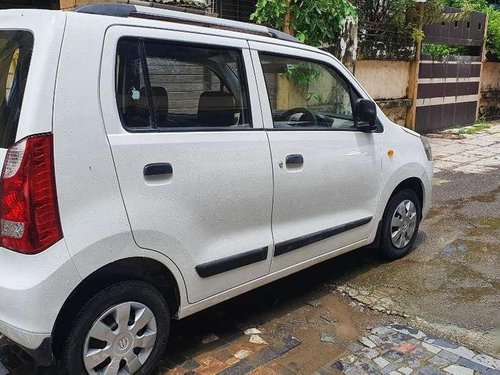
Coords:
pixel 294 160
pixel 157 169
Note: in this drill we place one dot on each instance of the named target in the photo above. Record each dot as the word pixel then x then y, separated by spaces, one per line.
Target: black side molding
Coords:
pixel 232 262
pixel 296 243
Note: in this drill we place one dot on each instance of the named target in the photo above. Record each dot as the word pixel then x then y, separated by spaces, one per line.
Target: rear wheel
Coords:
pixel 121 330
pixel 400 224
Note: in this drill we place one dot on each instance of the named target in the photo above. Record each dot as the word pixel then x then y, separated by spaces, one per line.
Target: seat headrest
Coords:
pixel 216 109
pixel 160 103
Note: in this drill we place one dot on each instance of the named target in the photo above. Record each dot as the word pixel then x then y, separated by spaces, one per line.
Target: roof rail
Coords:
pixel 161 14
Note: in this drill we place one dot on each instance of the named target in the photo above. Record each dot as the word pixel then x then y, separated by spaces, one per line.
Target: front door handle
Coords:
pixel 157 169
pixel 294 160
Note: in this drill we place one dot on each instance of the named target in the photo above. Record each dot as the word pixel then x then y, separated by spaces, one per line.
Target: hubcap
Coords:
pixel 403 224
pixel 120 340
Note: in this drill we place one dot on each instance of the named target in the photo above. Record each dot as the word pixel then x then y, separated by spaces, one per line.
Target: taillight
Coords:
pixel 29 217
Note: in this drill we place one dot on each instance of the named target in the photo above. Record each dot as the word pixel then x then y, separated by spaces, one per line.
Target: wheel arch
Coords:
pixel 412 183
pixel 134 268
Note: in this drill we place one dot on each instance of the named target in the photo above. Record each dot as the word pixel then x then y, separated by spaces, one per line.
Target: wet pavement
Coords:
pixel 399 349
pixel 314 321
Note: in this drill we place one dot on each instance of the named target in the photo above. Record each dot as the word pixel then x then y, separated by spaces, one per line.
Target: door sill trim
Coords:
pixel 232 262
pixel 302 241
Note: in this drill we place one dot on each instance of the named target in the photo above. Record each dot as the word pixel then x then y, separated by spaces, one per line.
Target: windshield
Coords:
pixel 15 55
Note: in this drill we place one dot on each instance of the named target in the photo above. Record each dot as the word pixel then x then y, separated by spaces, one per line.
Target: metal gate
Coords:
pixel 449 89
pixel 44 4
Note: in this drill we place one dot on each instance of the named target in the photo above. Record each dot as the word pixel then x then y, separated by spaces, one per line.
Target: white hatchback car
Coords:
pixel 156 163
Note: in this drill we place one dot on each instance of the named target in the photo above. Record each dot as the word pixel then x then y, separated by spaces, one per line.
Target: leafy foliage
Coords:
pixel 315 22
pixel 383 11
pixel 440 50
pixel 303 74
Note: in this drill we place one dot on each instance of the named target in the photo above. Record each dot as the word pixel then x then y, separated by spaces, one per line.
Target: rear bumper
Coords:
pixel 33 289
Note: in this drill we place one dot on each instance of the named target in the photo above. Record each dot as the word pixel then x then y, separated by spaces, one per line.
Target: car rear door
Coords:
pixel 191 156
pixel 327 174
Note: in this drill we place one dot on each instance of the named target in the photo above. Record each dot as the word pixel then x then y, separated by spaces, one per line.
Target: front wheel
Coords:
pixel 400 224
pixel 121 330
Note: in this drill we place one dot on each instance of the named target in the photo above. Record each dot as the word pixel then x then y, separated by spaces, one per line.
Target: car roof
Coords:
pixel 155 13
pixel 152 17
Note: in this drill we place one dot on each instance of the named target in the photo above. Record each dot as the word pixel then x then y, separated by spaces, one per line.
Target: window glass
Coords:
pixel 16 48
pixel 131 92
pixel 306 94
pixel 169 85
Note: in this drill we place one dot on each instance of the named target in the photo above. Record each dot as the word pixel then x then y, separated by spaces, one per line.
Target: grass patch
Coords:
pixel 469 130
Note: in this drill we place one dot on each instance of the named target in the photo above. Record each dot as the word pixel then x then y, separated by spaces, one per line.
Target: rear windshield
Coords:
pixel 16 48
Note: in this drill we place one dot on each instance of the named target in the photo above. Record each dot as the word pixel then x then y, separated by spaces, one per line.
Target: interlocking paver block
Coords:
pixel 409 331
pixel 367 368
pixel 429 370
pixel 459 370
pixel 406 347
pixel 406 351
pixel 354 347
pixel 439 361
pixel 462 351
pixel 394 356
pixel 414 363
pixel 449 356
pixel 382 331
pixel 431 348
pixel 388 369
pixel 421 353
pixel 381 362
pixel 405 370
pixel 442 343
pixel 472 365
pixel 398 338
pixel 367 342
pixel 368 353
pixel 376 340
pixel 353 371
pixel 487 361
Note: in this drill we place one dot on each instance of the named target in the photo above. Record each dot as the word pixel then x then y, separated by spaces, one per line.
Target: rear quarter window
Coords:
pixel 16 48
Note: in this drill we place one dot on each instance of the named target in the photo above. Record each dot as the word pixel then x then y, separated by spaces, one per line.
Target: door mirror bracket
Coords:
pixel 365 114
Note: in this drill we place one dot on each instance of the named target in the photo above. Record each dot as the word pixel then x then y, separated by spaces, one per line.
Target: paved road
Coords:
pixel 316 321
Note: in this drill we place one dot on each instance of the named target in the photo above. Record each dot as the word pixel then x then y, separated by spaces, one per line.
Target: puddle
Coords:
pixel 449 249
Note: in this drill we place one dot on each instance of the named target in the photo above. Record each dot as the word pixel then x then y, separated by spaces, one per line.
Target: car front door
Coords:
pixel 191 156
pixel 327 173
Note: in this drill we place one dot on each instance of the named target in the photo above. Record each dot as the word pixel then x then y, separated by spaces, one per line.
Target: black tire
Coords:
pixel 136 291
pixel 389 250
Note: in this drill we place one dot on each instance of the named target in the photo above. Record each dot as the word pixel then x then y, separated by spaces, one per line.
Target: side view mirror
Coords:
pixel 365 115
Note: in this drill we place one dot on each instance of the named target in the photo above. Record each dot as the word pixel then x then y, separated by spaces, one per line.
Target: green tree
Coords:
pixel 315 22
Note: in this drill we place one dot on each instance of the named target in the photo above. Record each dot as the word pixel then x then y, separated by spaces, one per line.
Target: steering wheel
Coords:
pixel 310 116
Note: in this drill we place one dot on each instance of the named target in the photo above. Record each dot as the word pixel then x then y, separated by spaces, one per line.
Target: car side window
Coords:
pixel 307 94
pixel 163 85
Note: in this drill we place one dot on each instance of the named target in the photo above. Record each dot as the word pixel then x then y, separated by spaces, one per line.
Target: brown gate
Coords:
pixel 44 4
pixel 448 89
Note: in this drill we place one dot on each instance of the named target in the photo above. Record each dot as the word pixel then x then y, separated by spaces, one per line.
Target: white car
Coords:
pixel 156 163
